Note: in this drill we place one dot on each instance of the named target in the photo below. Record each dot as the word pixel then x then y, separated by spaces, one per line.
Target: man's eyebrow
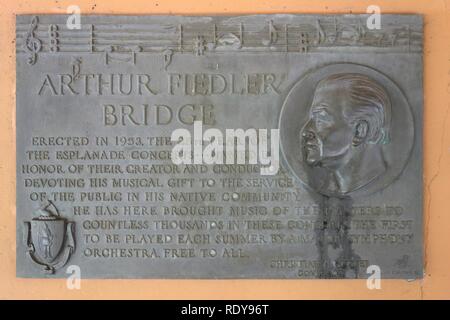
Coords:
pixel 322 105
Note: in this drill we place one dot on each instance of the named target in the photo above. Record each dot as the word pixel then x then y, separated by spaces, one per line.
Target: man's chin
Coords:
pixel 313 162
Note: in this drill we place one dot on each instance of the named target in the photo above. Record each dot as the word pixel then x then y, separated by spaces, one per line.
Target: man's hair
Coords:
pixel 370 102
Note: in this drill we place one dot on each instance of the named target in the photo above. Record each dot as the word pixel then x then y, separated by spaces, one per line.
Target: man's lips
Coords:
pixel 310 145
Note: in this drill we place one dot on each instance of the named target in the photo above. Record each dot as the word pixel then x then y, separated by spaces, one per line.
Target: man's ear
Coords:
pixel 361 130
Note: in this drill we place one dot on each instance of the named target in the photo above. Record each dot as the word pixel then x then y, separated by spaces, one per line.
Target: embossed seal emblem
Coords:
pixel 49 238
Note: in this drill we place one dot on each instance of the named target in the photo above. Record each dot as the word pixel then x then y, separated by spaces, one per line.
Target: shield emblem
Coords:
pixel 47 236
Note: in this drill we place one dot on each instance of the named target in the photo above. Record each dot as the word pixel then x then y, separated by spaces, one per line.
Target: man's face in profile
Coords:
pixel 327 136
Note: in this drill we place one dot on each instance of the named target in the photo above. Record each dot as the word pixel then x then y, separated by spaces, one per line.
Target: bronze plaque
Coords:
pixel 264 146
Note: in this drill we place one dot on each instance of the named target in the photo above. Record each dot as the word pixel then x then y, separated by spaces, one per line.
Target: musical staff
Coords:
pixel 122 42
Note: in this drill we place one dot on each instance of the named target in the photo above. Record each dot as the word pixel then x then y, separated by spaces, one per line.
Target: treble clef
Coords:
pixel 32 44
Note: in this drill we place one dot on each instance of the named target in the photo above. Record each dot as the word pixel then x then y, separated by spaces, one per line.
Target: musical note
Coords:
pixel 273 35
pixel 53 38
pixel 286 32
pixel 393 39
pixel 241 34
pixel 214 45
pixel 117 53
pixel 332 37
pixel 361 31
pixel 320 35
pixel 379 38
pixel 229 41
pixel 168 54
pixel 352 34
pixel 91 38
pixel 134 51
pixel 409 38
pixel 107 51
pixel 76 68
pixel 180 38
pixel 32 44
pixel 303 42
pixel 199 46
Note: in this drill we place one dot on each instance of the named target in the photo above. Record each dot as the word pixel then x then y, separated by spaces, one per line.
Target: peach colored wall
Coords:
pixel 436 283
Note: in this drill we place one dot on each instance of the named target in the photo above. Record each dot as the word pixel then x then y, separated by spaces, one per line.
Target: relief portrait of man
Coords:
pixel 348 122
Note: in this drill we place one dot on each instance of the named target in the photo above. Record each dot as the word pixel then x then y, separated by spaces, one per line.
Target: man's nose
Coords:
pixel 308 134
